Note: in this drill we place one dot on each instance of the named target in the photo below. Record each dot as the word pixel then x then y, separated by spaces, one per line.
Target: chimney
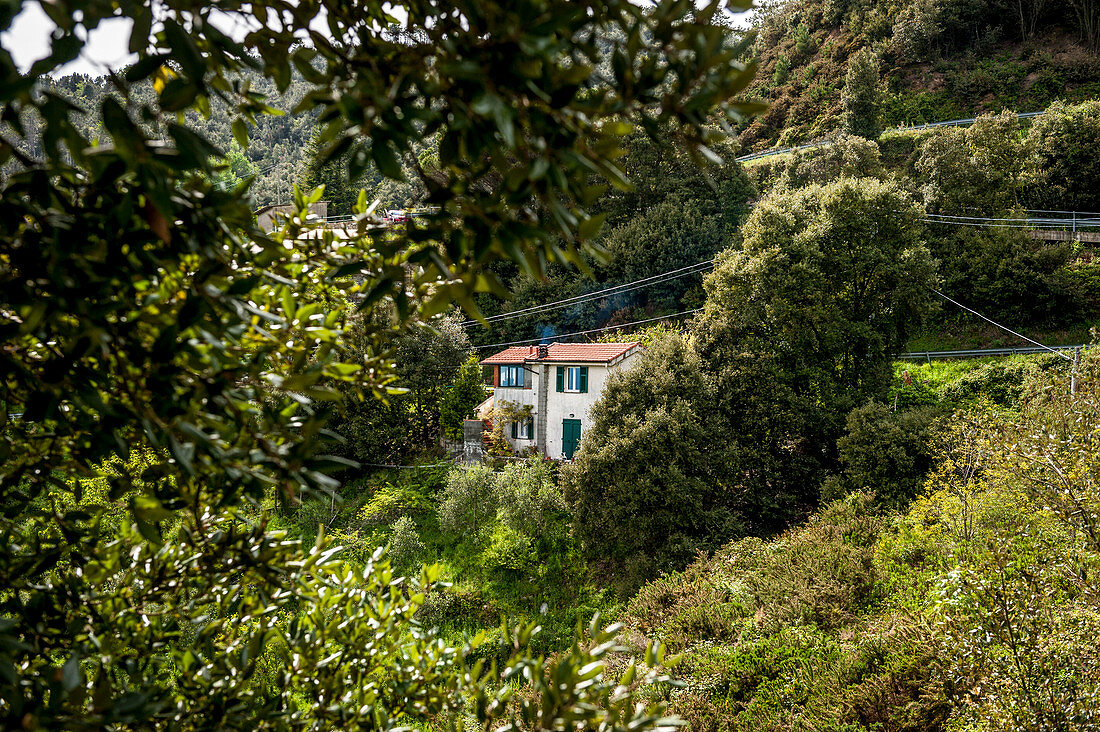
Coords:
pixel 544 351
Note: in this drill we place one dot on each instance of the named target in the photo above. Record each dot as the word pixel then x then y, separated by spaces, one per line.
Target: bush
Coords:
pixel 391 502
pixel 1002 555
pixel 783 634
pixel 405 547
pixel 888 453
pixel 823 573
pixel 1066 145
pixel 846 156
pixel 469 502
pixel 1002 383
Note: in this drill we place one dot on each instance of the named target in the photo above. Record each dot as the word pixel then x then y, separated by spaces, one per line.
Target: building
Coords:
pixel 558 383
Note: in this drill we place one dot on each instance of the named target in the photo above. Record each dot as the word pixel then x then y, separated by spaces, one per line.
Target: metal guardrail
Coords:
pixel 984 353
pixel 1057 220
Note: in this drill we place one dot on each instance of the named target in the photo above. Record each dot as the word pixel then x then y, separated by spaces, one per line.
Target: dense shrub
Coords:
pixel 1003 383
pixel 887 452
pixel 823 573
pixel 784 634
pixel 845 156
pixel 862 97
pixel 981 171
pixel 1066 145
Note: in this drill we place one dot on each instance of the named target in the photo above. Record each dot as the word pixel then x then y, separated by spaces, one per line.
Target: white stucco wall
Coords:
pixel 524 397
pixel 560 406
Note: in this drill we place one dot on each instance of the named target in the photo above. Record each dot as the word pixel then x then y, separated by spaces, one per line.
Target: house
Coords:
pixel 558 383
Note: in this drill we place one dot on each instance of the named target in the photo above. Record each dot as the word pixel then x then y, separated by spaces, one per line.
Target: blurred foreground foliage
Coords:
pixel 147 323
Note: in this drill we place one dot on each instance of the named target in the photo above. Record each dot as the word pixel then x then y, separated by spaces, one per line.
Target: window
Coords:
pixel 573 378
pixel 523 430
pixel 511 376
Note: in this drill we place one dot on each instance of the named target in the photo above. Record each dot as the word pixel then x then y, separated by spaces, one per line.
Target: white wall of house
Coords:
pixel 560 406
pixel 525 398
pixel 570 405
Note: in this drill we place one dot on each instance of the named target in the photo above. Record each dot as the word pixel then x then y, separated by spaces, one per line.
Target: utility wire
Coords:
pixel 617 290
pixel 993 322
pixel 590 295
pixel 593 330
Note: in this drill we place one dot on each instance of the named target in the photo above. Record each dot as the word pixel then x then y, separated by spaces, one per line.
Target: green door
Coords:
pixel 570 437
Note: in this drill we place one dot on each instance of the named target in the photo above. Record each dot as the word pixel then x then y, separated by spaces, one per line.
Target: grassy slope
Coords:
pixel 479 597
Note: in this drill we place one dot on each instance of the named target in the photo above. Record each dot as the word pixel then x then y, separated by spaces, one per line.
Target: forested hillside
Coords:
pixel 938 59
pixel 825 67
pixel 278 144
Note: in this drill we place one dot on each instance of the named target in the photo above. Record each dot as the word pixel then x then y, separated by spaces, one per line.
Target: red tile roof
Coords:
pixel 563 353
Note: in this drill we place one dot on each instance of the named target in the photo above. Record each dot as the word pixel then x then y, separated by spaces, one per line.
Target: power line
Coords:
pixel 593 330
pixel 616 290
pixel 1006 329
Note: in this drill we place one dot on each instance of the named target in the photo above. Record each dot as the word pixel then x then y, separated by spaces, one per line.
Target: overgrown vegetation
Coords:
pixel 153 335
pixel 940 60
pixel 227 500
pixel 973 608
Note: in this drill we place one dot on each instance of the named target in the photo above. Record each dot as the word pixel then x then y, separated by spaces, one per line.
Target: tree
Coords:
pixel 830 281
pixel 886 452
pixel 462 396
pixel 984 171
pixel 670 236
pixel 469 502
pixel 1006 274
pixel 144 309
pixel 340 192
pixel 643 485
pixel 429 359
pixel 862 96
pixel 660 172
pixel 1064 146
pixel 734 429
pixel 1088 20
pixel 234 168
pixel 1030 12
pixel 975 171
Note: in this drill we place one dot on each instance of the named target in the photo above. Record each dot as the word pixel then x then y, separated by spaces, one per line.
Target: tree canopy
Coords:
pixel 734 429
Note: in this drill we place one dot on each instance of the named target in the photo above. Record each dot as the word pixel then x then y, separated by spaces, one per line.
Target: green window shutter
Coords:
pixel 515 432
pixel 531 428
pixel 561 378
pixel 584 380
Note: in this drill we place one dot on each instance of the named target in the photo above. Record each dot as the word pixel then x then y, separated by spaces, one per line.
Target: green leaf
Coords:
pixel 178 94
pixel 385 157
pixel 184 50
pixel 240 132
